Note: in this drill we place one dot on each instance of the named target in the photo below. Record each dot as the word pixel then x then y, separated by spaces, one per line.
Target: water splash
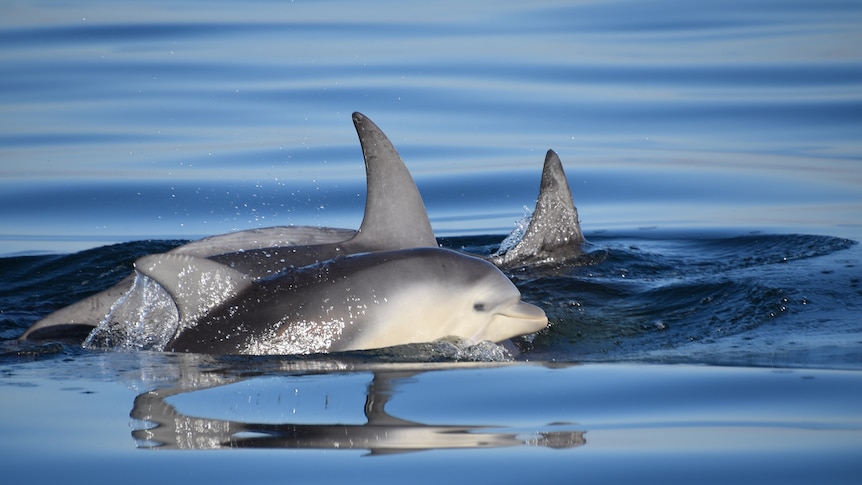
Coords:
pixel 145 318
pixel 517 234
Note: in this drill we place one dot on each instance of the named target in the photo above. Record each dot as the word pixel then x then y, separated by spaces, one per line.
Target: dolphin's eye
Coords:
pixel 479 307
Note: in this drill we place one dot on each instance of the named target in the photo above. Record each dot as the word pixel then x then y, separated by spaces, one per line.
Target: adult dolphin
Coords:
pixel 357 302
pixel 395 218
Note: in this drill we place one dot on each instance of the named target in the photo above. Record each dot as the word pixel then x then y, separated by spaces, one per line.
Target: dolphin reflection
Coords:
pixel 162 426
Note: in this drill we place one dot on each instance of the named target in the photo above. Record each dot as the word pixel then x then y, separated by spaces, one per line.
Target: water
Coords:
pixel 274 420
pixel 713 153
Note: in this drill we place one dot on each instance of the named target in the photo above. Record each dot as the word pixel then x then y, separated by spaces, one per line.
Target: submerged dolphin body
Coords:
pixel 357 302
pixel 395 218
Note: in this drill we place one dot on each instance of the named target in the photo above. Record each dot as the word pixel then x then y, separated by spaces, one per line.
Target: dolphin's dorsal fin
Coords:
pixel 196 284
pixel 554 232
pixel 556 215
pixel 395 216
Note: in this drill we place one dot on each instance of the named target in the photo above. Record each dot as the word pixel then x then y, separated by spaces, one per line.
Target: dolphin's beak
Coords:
pixel 525 318
pixel 527 311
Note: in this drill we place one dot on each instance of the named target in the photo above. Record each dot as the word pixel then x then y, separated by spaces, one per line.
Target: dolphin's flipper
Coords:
pixel 554 233
pixel 197 285
pixel 395 216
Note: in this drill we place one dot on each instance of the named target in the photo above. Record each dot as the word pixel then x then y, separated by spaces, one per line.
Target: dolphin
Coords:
pixel 395 218
pixel 356 302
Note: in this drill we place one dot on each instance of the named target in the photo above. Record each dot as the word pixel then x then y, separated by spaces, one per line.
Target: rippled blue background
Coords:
pixel 129 120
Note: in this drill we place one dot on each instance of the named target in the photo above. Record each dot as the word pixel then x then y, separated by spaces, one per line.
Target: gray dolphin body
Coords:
pixel 357 302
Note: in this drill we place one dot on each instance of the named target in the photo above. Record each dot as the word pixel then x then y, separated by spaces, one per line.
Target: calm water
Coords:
pixel 713 152
pixel 128 121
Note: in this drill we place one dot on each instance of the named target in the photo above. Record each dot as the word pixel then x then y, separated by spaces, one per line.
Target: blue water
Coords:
pixel 713 151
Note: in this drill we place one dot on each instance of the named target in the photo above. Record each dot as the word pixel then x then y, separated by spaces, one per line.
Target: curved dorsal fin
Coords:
pixel 556 215
pixel 395 216
pixel 196 284
pixel 554 233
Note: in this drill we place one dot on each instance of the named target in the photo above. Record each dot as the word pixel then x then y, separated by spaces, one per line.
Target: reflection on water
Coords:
pixel 503 422
pixel 164 427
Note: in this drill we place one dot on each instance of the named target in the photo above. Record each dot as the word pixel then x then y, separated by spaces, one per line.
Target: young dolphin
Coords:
pixel 357 302
pixel 395 218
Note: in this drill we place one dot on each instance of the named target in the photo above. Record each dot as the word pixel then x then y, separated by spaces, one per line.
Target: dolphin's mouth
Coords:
pixel 530 316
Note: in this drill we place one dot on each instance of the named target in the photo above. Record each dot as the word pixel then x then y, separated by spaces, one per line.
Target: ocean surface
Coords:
pixel 712 333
